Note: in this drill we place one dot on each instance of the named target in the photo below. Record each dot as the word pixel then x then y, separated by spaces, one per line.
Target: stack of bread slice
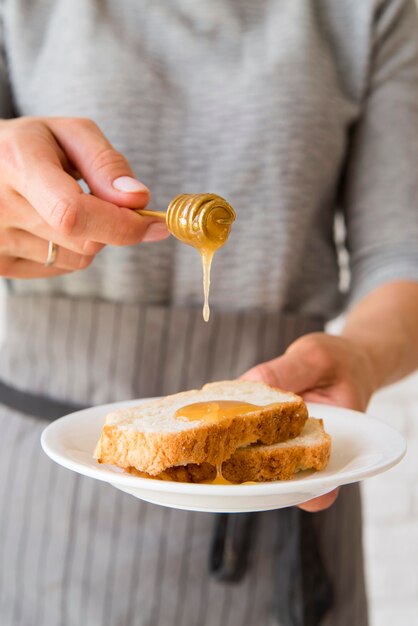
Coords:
pixel 271 440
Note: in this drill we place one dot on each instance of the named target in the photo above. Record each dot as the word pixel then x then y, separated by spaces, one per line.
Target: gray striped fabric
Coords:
pixel 93 352
pixel 74 551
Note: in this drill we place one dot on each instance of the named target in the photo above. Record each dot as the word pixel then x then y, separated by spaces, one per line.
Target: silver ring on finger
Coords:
pixel 52 254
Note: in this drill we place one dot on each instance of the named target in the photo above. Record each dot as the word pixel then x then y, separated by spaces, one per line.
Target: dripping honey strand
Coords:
pixel 202 221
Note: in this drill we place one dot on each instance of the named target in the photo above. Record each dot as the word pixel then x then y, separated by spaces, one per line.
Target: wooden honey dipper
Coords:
pixel 201 220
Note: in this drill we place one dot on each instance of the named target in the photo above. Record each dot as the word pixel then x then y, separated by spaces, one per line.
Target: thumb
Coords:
pixel 287 372
pixel 105 170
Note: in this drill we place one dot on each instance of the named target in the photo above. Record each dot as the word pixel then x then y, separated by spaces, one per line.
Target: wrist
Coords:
pixel 376 363
pixel 384 325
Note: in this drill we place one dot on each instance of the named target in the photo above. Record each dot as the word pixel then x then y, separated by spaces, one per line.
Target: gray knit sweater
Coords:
pixel 291 109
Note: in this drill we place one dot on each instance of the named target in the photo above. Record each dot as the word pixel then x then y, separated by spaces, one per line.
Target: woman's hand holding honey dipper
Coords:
pixel 50 227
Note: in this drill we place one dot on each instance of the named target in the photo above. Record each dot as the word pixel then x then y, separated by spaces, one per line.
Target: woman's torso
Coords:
pixel 249 100
pixel 244 99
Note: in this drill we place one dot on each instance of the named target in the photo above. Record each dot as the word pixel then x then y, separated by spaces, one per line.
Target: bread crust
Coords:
pixel 256 463
pixel 213 443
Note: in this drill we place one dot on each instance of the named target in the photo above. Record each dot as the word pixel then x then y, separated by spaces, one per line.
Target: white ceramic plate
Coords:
pixel 362 446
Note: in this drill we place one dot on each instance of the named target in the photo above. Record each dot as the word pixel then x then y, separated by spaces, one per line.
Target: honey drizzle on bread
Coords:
pixel 151 439
pixel 216 410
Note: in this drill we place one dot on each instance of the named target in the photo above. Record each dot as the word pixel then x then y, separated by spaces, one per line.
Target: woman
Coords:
pixel 289 109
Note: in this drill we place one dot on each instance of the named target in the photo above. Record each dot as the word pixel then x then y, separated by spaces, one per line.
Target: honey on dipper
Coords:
pixel 200 220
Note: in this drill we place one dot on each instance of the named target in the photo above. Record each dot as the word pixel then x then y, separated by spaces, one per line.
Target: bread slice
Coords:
pixel 151 439
pixel 281 461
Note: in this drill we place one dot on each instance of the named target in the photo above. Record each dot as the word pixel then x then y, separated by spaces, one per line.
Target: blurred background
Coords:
pixel 390 513
pixel 390 510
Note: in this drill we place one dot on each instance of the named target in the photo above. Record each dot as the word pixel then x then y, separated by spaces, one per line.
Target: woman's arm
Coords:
pixel 378 345
pixel 385 325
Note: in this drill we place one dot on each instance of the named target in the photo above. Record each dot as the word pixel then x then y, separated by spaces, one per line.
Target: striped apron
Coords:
pixel 77 552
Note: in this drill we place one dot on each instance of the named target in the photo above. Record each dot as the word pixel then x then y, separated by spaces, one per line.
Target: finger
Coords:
pixel 35 171
pixel 320 503
pixel 106 171
pixel 19 212
pixel 288 372
pixel 60 201
pixel 22 268
pixel 20 244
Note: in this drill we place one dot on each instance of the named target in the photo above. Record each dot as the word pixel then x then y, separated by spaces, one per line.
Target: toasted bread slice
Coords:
pixel 281 461
pixel 151 439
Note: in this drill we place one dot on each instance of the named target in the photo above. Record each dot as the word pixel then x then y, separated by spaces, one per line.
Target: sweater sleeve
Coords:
pixel 6 98
pixel 380 191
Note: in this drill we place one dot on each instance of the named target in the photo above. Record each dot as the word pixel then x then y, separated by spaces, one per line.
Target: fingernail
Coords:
pixel 129 185
pixel 155 232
